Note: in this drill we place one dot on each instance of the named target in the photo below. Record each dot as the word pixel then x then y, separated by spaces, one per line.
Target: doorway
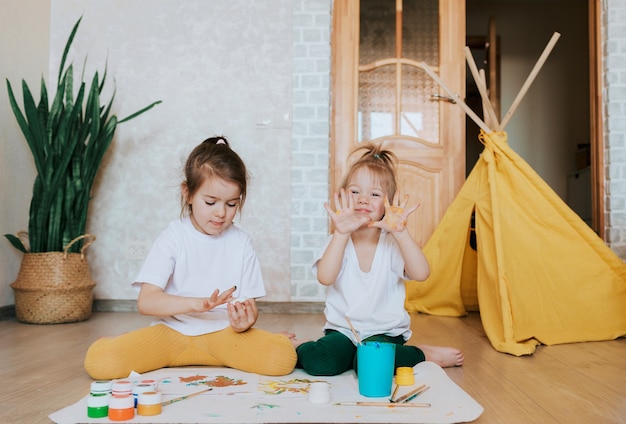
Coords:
pixel 559 119
pixel 554 128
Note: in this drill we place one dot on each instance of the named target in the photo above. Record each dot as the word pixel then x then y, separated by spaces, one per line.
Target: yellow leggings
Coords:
pixel 150 348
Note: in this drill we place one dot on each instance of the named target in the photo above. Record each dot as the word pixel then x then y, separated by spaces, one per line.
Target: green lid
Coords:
pixel 97 412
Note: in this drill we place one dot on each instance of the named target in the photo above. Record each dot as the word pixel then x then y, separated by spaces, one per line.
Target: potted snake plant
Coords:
pixel 68 137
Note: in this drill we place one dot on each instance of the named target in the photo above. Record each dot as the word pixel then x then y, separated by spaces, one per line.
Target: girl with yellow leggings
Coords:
pixel 200 280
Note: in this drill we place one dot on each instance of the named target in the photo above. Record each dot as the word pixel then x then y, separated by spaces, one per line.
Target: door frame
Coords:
pixel 596 105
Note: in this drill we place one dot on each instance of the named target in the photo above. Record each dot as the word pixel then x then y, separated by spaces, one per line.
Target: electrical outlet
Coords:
pixel 137 250
pixel 282 118
pixel 263 119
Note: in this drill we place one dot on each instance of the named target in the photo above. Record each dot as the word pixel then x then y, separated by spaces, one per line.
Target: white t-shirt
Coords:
pixel 186 262
pixel 374 300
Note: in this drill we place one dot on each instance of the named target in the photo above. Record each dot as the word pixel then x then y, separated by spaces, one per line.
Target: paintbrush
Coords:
pixel 393 395
pixel 356 335
pixel 413 396
pixel 178 399
pixel 408 395
pixel 387 404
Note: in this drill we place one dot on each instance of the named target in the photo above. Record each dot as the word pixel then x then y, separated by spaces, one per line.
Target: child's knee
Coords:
pixel 281 357
pixel 318 363
pixel 282 364
pixel 103 363
pixel 323 368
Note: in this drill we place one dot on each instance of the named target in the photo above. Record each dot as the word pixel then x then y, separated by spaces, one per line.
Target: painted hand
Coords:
pixel 242 315
pixel 395 215
pixel 344 219
pixel 217 299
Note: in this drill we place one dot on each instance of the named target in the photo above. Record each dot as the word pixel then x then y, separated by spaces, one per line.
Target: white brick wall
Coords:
pixel 614 32
pixel 310 142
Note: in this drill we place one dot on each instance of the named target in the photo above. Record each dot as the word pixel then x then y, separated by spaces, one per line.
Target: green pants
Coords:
pixel 335 353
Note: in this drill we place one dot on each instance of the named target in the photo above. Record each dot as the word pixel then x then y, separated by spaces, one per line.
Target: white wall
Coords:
pixel 614 29
pixel 24 39
pixel 220 67
pixel 310 146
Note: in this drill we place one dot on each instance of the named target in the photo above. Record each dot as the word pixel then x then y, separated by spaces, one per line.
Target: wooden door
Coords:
pixel 381 94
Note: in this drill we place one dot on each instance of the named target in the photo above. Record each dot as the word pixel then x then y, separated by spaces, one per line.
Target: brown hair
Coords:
pixel 213 158
pixel 381 163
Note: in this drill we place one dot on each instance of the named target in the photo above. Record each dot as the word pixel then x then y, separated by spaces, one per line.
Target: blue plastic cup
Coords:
pixel 375 365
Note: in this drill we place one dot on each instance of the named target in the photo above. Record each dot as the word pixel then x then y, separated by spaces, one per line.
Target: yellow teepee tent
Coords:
pixel 539 273
pixel 511 248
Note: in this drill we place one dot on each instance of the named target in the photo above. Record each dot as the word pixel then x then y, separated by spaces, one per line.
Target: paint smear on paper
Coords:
pixel 277 387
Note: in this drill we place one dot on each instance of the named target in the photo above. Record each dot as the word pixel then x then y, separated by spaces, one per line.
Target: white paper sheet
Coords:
pixel 284 400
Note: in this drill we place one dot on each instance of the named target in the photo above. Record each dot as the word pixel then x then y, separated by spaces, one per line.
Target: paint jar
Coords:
pixel 98 405
pixel 375 366
pixel 121 407
pixel 404 376
pixel 149 403
pixel 319 392
pixel 101 386
pixel 140 388
pixel 122 387
pixel 153 382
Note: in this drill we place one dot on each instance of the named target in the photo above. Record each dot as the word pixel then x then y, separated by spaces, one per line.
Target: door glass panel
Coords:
pixel 420 113
pixel 420 31
pixel 377 102
pixel 377 36
pixel 395 98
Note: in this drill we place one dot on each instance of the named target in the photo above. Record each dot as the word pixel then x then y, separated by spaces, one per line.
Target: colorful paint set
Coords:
pixel 118 400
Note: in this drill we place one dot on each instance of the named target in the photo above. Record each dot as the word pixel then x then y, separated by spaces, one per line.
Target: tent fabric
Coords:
pixel 538 274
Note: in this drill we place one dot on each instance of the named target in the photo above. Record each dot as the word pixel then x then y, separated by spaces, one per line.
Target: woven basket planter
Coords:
pixel 54 287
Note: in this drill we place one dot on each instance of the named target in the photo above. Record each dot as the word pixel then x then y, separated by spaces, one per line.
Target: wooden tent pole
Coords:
pixel 492 122
pixel 490 116
pixel 456 98
pixel 529 80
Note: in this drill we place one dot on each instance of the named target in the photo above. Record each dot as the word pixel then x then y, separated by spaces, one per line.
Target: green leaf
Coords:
pixel 16 242
pixel 134 115
pixel 68 45
pixel 24 126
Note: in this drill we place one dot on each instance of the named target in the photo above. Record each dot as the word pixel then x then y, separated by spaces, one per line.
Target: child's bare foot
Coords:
pixel 443 356
pixel 297 342
pixel 292 338
pixel 288 334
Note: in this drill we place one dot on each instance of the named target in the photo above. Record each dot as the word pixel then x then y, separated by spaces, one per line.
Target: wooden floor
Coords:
pixel 41 368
